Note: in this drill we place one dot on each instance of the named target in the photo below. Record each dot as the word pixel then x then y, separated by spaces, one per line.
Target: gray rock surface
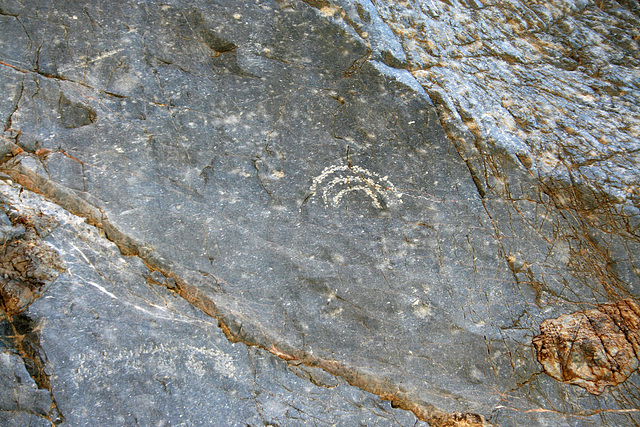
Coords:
pixel 121 351
pixel 287 212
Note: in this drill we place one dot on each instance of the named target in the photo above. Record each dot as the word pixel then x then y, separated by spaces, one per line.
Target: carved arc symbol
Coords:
pixel 338 180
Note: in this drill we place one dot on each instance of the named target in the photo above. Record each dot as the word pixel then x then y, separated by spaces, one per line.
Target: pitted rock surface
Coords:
pixel 593 349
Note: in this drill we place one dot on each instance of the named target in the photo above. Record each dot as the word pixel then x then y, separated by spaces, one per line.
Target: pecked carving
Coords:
pixel 339 180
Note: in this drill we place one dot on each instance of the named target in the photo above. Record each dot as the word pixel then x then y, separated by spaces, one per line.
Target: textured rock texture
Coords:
pixel 555 84
pixel 317 212
pixel 27 265
pixel 118 350
pixel 593 349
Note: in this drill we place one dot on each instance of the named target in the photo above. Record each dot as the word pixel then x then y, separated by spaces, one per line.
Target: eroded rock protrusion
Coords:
pixel 459 419
pixel 27 265
pixel 593 348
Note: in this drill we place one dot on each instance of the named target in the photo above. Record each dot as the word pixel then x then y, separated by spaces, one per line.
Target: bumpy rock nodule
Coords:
pixel 592 348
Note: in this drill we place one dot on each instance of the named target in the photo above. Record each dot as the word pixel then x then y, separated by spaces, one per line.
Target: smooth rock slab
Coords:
pixel 215 169
pixel 122 351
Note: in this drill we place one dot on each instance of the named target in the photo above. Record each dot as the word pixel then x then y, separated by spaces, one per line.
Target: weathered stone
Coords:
pixel 25 387
pixel 458 419
pixel 593 349
pixel 75 115
pixel 539 80
pixel 21 401
pixel 279 169
pixel 27 265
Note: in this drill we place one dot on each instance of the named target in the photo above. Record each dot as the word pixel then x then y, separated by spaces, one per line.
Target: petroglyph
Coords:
pixel 336 181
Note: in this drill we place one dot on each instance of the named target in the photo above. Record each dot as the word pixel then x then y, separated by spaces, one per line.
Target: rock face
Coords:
pixel 554 84
pixel 291 213
pixel 593 349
